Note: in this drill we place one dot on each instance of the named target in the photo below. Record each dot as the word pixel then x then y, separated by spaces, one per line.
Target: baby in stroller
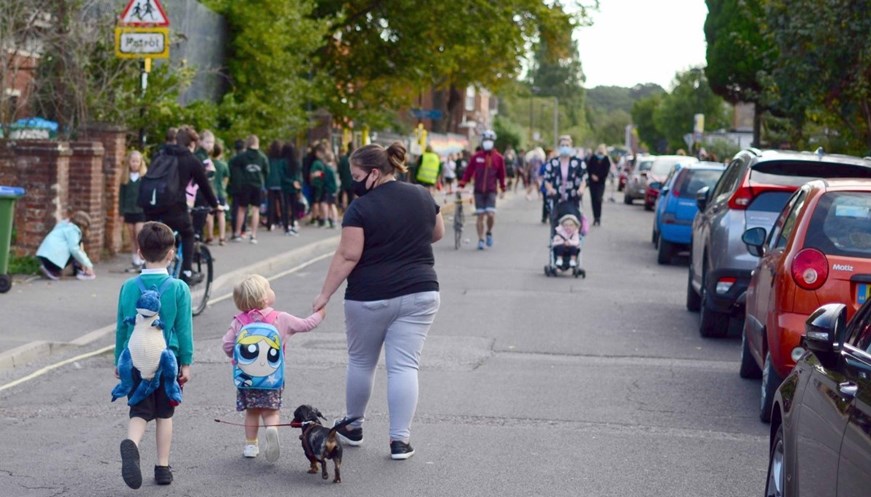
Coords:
pixel 568 228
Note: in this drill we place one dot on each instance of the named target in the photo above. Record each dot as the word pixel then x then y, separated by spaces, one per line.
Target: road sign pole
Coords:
pixel 143 83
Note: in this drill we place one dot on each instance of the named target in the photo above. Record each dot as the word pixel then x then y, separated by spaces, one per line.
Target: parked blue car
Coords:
pixel 676 207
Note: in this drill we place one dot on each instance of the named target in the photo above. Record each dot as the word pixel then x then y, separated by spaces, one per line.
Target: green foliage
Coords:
pixel 736 49
pixel 691 95
pixel 821 78
pixel 23 264
pixel 649 135
pixel 507 133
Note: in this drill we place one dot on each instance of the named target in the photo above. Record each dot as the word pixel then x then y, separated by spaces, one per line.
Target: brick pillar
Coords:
pixel 86 192
pixel 42 168
pixel 114 140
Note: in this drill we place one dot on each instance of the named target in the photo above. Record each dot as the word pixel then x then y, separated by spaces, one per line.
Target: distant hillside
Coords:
pixel 610 98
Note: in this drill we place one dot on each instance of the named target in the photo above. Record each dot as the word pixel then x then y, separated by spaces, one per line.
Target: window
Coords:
pixel 728 181
pixel 694 180
pixel 859 333
pixel 774 235
pixel 789 222
pixel 841 225
pixel 470 98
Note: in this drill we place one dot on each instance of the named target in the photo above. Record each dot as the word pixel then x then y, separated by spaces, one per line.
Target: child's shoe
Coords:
pixel 250 451
pixel 49 273
pixel 130 464
pixel 480 244
pixel 559 262
pixel 163 475
pixel 573 263
pixel 85 277
pixel 252 240
pixel 273 448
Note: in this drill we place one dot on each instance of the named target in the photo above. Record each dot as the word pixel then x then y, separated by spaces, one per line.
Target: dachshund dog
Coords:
pixel 318 442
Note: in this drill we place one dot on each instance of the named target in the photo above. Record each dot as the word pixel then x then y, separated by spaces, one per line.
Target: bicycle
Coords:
pixel 202 263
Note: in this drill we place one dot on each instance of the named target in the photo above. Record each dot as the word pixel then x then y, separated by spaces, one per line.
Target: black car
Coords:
pixel 821 417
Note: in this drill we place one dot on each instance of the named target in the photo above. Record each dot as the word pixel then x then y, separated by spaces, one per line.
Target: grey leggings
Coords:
pixel 399 325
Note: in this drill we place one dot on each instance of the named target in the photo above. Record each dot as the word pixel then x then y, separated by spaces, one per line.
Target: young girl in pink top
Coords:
pixel 254 297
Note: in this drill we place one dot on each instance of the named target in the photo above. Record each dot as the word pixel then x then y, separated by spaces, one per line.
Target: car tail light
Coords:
pixel 725 284
pixel 810 269
pixel 741 198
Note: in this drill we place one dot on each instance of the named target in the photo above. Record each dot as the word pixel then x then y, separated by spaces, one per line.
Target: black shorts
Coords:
pixel 134 218
pixel 248 195
pixel 154 406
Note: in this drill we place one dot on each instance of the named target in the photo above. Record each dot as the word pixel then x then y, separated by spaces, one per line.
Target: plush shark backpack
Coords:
pixel 258 354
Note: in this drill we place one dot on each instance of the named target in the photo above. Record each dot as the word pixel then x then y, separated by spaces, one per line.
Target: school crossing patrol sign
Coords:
pixel 142 31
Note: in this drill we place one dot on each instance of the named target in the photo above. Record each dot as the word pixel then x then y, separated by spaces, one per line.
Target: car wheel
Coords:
pixel 693 299
pixel 712 324
pixel 654 237
pixel 648 207
pixel 770 382
pixel 774 486
pixel 627 199
pixel 665 252
pixel 749 368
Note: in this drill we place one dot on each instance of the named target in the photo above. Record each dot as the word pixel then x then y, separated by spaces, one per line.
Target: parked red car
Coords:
pixel 818 252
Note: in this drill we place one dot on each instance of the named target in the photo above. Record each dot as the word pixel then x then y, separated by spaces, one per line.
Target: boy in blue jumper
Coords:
pixel 156 248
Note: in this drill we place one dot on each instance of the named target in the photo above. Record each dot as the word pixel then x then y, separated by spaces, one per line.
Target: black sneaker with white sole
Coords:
pixel 130 464
pixel 349 436
pixel 400 450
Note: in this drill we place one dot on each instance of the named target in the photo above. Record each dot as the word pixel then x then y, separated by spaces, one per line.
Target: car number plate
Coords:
pixel 863 291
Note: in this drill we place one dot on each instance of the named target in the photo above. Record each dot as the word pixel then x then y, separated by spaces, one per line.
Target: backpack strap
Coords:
pixel 245 317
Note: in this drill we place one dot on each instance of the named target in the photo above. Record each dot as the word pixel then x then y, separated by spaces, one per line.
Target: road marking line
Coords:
pixel 51 367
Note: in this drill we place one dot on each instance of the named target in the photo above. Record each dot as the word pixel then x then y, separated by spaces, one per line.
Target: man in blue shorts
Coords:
pixel 487 170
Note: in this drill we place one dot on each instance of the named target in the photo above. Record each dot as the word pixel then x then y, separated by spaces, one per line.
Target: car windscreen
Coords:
pixel 841 225
pixel 645 165
pixel 662 167
pixel 693 180
pixel 797 173
pixel 769 201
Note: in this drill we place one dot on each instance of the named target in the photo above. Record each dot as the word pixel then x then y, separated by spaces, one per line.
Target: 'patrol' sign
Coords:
pixel 137 43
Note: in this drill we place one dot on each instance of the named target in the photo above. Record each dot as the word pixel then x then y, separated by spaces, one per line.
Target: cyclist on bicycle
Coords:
pixel 177 216
pixel 487 169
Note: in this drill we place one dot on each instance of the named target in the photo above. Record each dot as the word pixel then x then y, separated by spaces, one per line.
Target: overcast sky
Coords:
pixel 642 41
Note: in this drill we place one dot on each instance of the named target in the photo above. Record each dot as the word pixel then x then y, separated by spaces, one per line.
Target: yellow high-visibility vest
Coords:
pixel 429 169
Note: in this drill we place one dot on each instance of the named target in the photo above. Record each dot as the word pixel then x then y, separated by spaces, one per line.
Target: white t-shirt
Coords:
pixel 450 169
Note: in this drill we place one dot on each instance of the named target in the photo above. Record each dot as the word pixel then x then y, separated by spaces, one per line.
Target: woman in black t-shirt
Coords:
pixel 392 296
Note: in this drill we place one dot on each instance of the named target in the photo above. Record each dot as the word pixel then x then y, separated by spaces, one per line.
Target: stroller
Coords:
pixel 557 211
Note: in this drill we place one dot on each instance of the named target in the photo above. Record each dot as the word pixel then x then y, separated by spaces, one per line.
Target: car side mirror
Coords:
pixel 664 190
pixel 754 238
pixel 824 329
pixel 702 198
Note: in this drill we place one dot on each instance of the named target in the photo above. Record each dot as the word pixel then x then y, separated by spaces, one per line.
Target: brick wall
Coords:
pixel 58 176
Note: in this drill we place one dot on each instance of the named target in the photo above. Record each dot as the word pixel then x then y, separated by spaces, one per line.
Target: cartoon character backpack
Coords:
pixel 258 355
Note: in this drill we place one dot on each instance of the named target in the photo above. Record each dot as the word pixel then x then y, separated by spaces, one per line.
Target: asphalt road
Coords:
pixel 529 386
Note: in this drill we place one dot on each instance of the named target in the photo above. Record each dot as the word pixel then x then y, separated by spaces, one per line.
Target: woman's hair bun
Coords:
pixel 396 155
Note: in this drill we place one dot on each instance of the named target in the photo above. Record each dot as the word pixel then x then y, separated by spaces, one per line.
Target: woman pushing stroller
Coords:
pixel 564 183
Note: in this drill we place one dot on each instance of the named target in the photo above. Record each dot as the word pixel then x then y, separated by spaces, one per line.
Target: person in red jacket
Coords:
pixel 487 170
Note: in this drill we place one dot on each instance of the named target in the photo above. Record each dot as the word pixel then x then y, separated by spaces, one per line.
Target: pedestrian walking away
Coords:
pixel 251 168
pixel 255 342
pixel 598 167
pixel 392 296
pixel 152 361
pixel 563 176
pixel 487 170
pixel 175 211
pixel 128 206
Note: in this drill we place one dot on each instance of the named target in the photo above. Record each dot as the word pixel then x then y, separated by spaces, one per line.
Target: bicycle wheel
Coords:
pixel 203 264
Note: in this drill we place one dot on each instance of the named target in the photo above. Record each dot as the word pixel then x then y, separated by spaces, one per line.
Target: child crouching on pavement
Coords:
pixel 156 248
pixel 256 341
pixel 567 241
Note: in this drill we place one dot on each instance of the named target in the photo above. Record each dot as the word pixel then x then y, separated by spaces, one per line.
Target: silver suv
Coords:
pixel 750 193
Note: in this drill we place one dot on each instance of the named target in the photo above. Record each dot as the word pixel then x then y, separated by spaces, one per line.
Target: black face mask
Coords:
pixel 359 188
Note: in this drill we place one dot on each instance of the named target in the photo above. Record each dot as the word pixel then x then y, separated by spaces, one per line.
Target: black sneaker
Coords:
pixel 163 475
pixel 349 436
pixel 400 450
pixel 194 279
pixel 130 464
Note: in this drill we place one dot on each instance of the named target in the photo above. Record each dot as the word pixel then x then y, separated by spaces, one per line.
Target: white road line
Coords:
pixel 51 367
